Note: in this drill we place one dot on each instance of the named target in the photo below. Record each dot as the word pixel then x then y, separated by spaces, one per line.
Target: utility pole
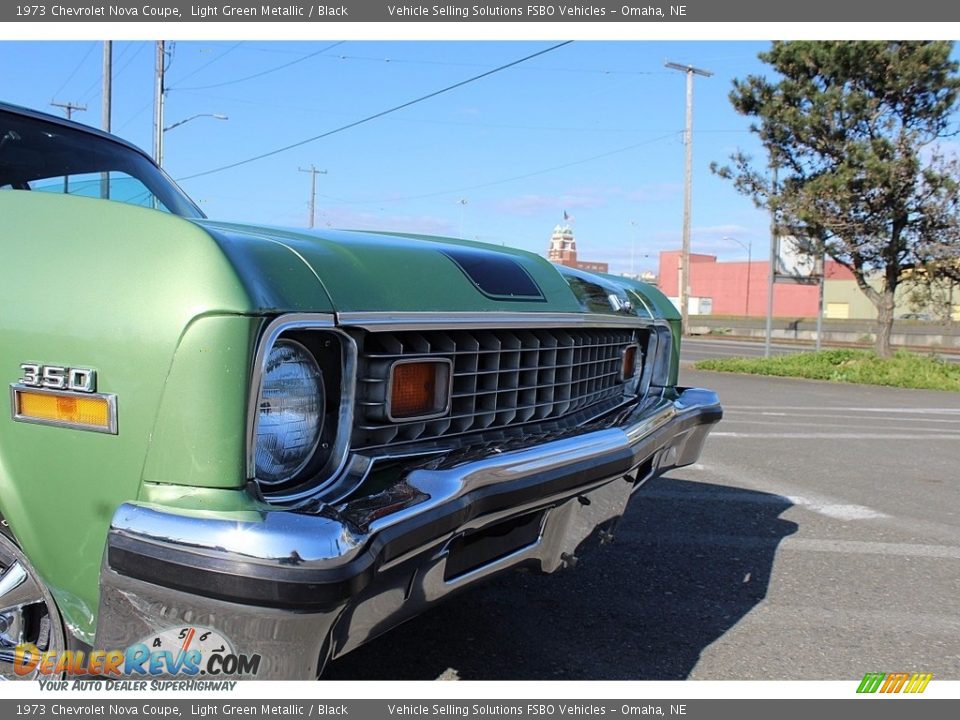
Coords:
pixel 159 89
pixel 107 83
pixel 690 71
pixel 633 234
pixel 771 275
pixel 107 99
pixel 313 190
pixel 462 202
pixel 68 107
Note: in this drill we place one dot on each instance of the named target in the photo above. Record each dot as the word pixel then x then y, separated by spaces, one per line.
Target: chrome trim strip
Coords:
pixel 269 336
pixel 339 453
pixel 111 399
pixel 385 321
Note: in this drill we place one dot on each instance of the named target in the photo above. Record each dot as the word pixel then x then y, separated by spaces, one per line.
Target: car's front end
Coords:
pixel 301 438
pixel 540 445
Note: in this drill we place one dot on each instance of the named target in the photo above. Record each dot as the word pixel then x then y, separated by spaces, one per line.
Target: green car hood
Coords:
pixel 350 271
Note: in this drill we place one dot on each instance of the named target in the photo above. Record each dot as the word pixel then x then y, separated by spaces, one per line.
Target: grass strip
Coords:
pixel 904 369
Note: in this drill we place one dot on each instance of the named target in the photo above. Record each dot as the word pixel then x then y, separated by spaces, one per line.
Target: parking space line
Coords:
pixel 847 408
pixel 829 507
pixel 789 423
pixel 833 436
pixel 727 413
pixel 792 542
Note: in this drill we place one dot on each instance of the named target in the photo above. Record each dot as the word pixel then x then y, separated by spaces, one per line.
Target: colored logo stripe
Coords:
pixel 918 682
pixel 871 682
pixel 894 682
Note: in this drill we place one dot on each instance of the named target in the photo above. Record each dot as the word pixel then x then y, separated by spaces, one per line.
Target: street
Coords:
pixel 817 538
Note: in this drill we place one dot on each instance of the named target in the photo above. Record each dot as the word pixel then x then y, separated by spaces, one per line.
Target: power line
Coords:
pixel 380 114
pixel 210 62
pixel 470 123
pixel 524 176
pixel 76 69
pixel 263 72
pixel 93 89
pixel 591 71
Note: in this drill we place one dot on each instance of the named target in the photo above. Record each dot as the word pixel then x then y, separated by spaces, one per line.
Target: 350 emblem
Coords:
pixel 58 377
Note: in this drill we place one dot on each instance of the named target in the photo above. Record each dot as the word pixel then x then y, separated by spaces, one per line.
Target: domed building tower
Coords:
pixel 563 246
pixel 563 251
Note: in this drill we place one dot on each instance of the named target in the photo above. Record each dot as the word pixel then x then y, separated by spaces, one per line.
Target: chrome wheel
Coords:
pixel 28 613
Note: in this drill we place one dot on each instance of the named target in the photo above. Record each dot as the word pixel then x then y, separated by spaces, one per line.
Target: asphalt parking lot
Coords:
pixel 818 538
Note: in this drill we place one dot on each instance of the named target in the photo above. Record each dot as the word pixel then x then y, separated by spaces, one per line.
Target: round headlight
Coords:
pixel 290 414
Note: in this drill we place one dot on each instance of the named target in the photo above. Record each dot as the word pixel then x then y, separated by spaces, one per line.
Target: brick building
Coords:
pixel 740 288
pixel 563 251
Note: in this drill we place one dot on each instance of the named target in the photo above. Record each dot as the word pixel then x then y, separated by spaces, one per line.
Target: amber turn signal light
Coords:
pixel 66 409
pixel 628 362
pixel 419 390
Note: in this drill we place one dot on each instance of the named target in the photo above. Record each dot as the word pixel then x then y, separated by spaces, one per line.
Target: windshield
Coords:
pixel 39 155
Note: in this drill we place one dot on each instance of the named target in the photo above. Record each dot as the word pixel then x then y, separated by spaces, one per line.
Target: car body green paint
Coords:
pixel 412 273
pixel 657 305
pixel 129 287
pixel 168 316
pixel 169 312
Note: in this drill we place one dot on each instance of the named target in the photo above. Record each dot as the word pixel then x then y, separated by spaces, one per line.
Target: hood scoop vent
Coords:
pixel 496 276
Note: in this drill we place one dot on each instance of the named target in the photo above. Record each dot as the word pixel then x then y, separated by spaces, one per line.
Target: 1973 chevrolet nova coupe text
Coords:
pixel 277 443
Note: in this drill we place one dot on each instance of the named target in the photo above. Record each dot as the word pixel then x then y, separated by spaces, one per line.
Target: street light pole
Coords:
pixel 159 90
pixel 749 248
pixel 690 71
pixel 215 116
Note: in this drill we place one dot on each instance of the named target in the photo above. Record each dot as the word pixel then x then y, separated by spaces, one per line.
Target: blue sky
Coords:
pixel 592 128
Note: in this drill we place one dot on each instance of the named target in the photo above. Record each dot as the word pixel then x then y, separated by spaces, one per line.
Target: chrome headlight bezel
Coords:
pixel 336 353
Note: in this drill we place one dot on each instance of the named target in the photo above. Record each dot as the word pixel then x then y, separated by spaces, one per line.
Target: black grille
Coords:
pixel 500 378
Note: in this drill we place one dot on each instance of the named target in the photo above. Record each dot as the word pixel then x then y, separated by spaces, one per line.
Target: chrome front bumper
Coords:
pixel 302 587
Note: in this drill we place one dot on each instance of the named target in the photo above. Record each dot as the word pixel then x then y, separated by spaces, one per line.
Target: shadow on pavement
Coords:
pixel 690 559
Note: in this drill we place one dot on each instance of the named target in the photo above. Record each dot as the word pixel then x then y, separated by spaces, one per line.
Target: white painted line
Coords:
pixel 838 416
pixel 863 547
pixel 831 408
pixel 837 511
pixel 831 436
pixel 824 506
pixel 791 542
pixel 859 425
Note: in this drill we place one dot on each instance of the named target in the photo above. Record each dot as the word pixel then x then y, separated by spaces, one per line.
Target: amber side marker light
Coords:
pixel 419 389
pixel 80 411
pixel 628 362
